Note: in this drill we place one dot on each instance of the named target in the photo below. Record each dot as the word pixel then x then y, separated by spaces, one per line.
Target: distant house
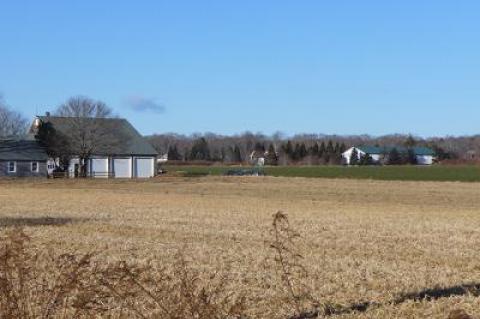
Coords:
pixel 471 155
pixel 261 158
pixel 22 158
pixel 129 157
pixel 424 155
pixel 258 157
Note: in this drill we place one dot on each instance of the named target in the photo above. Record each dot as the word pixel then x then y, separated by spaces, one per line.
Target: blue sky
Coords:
pixel 345 67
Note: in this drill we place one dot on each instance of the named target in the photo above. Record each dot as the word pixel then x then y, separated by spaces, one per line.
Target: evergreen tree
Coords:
pixel 411 157
pixel 288 148
pixel 330 150
pixel 200 150
pixel 313 150
pixel 173 153
pixel 441 154
pixel 337 154
pixel 321 150
pixel 296 152
pixel 354 157
pixel 410 141
pixel 394 157
pixel 272 158
pixel 302 151
pixel 336 149
pixel 365 159
pixel 237 155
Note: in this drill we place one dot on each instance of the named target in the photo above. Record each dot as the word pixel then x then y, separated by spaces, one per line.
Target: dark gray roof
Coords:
pixel 22 150
pixel 133 142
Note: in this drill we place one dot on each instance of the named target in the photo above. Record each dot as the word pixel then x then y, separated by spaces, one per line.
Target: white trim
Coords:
pixel 14 167
pixel 31 167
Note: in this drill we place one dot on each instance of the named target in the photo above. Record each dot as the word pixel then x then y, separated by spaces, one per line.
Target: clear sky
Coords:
pixel 345 67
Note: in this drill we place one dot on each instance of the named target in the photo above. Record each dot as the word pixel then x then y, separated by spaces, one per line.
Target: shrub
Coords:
pixel 36 283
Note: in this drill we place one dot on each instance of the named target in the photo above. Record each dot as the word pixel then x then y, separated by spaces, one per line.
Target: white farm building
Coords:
pixel 123 153
pixel 379 155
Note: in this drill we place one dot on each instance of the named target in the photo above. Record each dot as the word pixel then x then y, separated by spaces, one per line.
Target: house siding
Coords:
pixel 23 169
pixel 424 159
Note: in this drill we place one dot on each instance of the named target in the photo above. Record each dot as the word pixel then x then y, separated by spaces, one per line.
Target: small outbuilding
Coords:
pixel 22 158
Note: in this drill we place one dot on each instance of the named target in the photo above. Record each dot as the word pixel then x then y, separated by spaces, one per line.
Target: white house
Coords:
pixel 258 158
pixel 424 155
pixel 130 156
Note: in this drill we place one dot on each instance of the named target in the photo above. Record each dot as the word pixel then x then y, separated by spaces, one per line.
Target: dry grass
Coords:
pixel 36 283
pixel 366 245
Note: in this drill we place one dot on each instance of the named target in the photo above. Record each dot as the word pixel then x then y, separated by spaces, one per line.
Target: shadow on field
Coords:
pixel 38 221
pixel 436 293
pixel 426 294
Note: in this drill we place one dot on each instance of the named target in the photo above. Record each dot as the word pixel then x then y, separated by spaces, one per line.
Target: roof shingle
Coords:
pixel 22 150
pixel 133 142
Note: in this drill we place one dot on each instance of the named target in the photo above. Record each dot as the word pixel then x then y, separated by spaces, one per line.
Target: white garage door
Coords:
pixel 144 167
pixel 99 167
pixel 122 167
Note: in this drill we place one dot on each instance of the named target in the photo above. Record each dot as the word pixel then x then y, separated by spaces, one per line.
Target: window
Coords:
pixel 12 167
pixel 35 167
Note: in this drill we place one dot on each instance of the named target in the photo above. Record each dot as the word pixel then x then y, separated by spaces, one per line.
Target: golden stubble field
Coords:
pixel 362 241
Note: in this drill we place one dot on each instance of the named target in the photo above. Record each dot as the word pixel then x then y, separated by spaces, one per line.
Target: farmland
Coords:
pixel 465 173
pixel 375 244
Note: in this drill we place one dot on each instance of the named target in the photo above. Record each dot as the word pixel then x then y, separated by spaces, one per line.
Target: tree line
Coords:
pixel 299 149
pixel 306 149
pixel 284 152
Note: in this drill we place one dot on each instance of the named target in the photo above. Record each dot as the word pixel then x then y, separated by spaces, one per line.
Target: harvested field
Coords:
pixel 372 249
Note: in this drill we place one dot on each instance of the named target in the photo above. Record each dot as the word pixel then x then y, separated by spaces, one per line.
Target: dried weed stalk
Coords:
pixel 36 283
pixel 289 264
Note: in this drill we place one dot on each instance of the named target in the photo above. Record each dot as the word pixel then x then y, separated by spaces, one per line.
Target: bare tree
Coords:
pixel 12 124
pixel 83 107
pixel 448 147
pixel 82 127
